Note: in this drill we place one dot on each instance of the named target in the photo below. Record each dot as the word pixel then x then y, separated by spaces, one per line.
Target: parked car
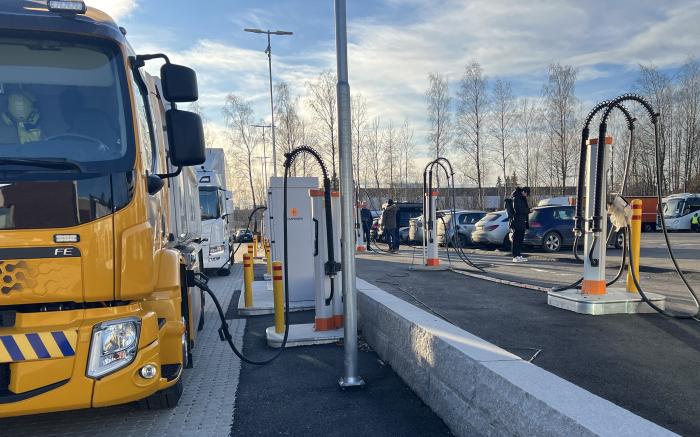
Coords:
pixel 492 230
pixel 551 228
pixel 244 236
pixel 403 216
pixel 466 221
pixel 415 229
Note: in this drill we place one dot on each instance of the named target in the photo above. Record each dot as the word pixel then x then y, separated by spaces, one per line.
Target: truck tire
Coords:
pixel 225 271
pixel 163 399
pixel 200 324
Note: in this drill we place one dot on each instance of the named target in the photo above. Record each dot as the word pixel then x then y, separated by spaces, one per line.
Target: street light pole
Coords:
pixel 264 126
pixel 268 51
pixel 350 378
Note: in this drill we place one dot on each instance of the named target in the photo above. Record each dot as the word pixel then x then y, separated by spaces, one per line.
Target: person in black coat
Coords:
pixel 519 223
pixel 366 220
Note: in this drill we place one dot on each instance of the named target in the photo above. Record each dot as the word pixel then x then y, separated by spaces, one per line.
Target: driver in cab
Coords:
pixel 21 120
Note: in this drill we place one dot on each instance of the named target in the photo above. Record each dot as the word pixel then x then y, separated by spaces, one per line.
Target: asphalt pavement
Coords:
pixel 298 394
pixel 550 270
pixel 647 364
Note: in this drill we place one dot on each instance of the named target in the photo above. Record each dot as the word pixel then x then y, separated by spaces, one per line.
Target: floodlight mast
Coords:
pixel 268 51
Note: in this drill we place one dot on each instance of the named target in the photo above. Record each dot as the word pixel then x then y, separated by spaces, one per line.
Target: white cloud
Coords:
pixel 115 8
pixel 389 62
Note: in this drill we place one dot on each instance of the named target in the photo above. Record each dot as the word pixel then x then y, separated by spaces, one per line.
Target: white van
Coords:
pixel 678 209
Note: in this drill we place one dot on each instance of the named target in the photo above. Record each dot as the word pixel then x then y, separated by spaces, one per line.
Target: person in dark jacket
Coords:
pixel 366 220
pixel 519 223
pixel 389 225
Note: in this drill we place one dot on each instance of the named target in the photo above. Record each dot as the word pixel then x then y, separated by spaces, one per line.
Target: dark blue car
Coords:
pixel 551 228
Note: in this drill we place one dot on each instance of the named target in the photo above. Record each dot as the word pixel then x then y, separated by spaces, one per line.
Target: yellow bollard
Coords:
pixel 268 259
pixel 255 246
pixel 278 294
pixel 247 280
pixel 635 241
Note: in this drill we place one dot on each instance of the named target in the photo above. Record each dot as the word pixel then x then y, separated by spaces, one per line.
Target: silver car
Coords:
pixel 465 225
pixel 492 230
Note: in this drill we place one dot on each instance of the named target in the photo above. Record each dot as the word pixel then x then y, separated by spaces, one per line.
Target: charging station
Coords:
pixel 300 237
pixel 594 297
pixel 328 319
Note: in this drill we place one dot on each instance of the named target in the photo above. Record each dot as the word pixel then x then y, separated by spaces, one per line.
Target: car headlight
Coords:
pixel 114 345
pixel 216 250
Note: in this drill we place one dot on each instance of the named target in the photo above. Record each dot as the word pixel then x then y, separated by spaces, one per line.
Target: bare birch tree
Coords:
pixel 322 102
pixel 238 116
pixel 560 103
pixel 358 123
pixel 287 117
pixel 472 107
pixel 438 98
pixel 504 119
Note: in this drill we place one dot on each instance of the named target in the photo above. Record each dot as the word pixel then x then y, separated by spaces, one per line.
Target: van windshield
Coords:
pixel 63 99
pixel 673 208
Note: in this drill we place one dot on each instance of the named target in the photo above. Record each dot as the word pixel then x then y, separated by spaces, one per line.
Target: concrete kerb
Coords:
pixel 478 388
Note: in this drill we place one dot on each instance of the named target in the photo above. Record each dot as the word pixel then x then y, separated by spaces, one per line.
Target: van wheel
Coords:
pixel 551 242
pixel 163 399
pixel 224 271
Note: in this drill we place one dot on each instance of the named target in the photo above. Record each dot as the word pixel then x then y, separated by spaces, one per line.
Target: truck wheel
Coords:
pixel 200 324
pixel 224 271
pixel 163 399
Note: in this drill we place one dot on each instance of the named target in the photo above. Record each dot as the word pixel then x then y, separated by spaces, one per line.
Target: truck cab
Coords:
pixel 216 205
pixel 97 302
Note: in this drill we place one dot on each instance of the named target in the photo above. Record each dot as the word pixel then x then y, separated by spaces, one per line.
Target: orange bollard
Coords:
pixel 247 280
pixel 635 242
pixel 278 295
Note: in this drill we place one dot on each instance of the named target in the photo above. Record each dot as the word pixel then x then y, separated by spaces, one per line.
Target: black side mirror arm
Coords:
pixel 170 175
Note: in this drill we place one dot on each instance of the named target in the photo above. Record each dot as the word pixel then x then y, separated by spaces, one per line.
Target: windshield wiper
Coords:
pixel 52 163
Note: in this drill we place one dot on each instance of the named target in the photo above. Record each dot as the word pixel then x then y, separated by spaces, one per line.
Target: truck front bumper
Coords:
pixel 61 383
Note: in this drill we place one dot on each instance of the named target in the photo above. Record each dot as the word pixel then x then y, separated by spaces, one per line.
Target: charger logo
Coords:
pixel 293 212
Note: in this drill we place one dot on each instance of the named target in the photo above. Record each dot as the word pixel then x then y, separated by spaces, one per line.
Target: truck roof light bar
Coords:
pixel 67 7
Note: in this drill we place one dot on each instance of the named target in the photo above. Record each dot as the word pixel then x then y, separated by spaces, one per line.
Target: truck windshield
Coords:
pixel 673 208
pixel 209 203
pixel 63 98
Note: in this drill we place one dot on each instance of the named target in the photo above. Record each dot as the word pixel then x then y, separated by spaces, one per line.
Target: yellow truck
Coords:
pixel 98 214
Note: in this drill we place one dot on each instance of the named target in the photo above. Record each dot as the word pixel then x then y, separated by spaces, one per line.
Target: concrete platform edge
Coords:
pixel 478 388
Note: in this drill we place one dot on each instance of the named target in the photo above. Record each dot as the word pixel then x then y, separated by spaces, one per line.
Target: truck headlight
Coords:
pixel 114 345
pixel 216 250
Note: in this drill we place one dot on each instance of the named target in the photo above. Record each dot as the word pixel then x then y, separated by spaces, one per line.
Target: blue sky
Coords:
pixel 394 44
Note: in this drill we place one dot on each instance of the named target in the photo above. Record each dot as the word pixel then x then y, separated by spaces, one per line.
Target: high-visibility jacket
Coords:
pixel 694 220
pixel 27 131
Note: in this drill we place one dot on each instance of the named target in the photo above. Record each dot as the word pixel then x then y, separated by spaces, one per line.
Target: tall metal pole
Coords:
pixel 350 376
pixel 272 107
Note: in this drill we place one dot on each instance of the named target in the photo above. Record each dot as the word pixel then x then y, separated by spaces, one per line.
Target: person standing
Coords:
pixel 389 225
pixel 366 220
pixel 519 223
pixel 695 223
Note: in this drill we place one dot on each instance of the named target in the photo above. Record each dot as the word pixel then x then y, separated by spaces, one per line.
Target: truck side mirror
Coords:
pixel 179 83
pixel 185 137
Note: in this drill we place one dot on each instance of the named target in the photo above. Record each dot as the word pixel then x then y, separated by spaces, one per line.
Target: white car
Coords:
pixel 466 222
pixel 492 230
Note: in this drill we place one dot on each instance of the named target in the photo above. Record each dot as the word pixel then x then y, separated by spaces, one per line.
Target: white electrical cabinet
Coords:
pixel 300 233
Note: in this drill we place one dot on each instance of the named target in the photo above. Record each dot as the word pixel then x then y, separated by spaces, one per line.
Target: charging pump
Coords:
pixel 299 239
pixel 431 260
pixel 594 296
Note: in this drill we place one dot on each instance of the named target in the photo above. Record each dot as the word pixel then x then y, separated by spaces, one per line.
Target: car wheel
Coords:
pixel 551 242
pixel 506 242
pixel 462 240
pixel 620 240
